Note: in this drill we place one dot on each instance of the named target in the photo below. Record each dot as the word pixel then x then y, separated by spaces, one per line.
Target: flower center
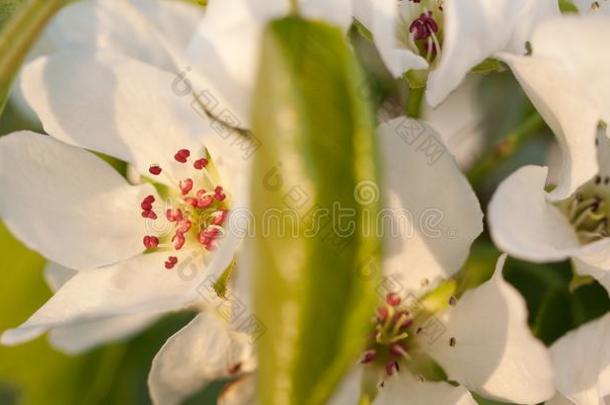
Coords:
pixel 389 343
pixel 420 27
pixel 587 210
pixel 193 211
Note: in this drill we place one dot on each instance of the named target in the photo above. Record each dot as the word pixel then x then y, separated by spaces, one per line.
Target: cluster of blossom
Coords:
pixel 115 245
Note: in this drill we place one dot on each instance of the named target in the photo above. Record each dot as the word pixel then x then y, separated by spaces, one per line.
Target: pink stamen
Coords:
pixel 191 201
pixel 151 242
pixel 147 203
pixel 219 193
pixel 186 186
pixel 171 262
pixel 200 163
pixel 219 217
pixel 382 314
pixel 184 226
pixel 154 170
pixel 174 215
pixel 391 367
pixel 369 356
pixel 178 240
pixel 149 214
pixel 393 299
pixel 205 202
pixel 182 155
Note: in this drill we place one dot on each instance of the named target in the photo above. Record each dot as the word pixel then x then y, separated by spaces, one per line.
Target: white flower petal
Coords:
pixel 118 106
pixel 476 30
pixel 435 212
pixel 582 362
pixel 118 25
pixel 592 6
pixel 568 80
pixel 525 224
pixel 594 261
pixel 459 121
pixel 494 353
pixel 240 392
pixel 83 336
pixel 404 389
pixel 349 390
pixel 202 351
pixel 67 203
pixel 57 275
pixel 78 338
pixel 226 45
pixel 140 285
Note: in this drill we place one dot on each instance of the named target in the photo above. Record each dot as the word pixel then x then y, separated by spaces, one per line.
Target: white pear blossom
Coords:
pixel 527 222
pixel 481 339
pixel 567 78
pixel 138 249
pixel 582 365
pixel 205 350
pixel 448 37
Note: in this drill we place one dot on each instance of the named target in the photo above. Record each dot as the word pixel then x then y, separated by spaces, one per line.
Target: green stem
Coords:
pixel 414 102
pixel 17 37
pixel 294 7
pixel 488 163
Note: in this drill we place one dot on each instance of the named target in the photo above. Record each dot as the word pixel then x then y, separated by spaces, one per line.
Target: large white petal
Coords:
pixel 582 362
pixel 80 337
pixel 141 285
pixel 67 203
pixel 459 121
pixel 116 105
pixel 204 350
pixel 592 6
pixel 83 336
pixel 404 389
pixel 240 392
pixel 525 224
pixel 494 352
pixel 568 80
pixel 475 30
pixel 435 213
pixel 118 25
pixel 226 45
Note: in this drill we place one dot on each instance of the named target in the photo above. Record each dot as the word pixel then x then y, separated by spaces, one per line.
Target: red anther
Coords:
pixel 205 202
pixel 171 262
pixel 154 170
pixel 191 201
pixel 219 217
pixel 200 163
pixel 423 26
pixel 186 185
pixel 149 214
pixel 382 314
pixel 393 299
pixel 182 155
pixel 219 193
pixel 406 323
pixel 173 215
pixel 184 226
pixel 369 356
pixel 151 242
pixel 147 203
pixel 391 367
pixel 178 240
pixel 397 349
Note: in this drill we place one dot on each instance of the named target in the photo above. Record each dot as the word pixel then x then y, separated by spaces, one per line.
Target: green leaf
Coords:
pixel 313 284
pixel 18 36
pixel 489 65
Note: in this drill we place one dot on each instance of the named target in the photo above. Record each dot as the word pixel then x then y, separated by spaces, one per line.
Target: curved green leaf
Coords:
pixel 314 274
